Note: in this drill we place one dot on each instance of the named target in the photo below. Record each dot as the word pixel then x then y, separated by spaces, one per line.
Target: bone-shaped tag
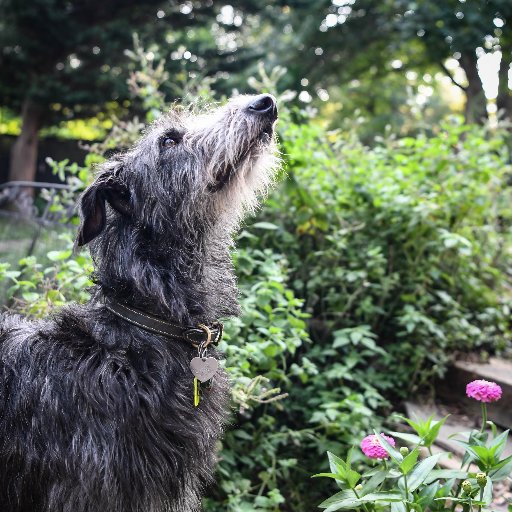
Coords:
pixel 204 368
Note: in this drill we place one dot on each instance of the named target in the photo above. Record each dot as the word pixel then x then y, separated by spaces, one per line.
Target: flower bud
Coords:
pixel 404 451
pixel 481 479
pixel 358 487
pixel 466 486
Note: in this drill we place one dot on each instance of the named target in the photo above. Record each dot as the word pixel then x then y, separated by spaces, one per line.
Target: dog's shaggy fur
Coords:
pixel 97 414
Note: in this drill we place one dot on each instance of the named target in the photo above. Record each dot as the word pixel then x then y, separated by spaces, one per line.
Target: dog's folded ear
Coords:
pixel 92 204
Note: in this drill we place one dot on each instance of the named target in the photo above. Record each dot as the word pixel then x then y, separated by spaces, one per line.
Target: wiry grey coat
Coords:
pixel 97 414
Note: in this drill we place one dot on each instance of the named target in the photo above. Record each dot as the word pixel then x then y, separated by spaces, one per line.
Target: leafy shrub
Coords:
pixel 407 240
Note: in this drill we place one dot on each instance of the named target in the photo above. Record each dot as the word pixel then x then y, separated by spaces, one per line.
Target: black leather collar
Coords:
pixel 196 336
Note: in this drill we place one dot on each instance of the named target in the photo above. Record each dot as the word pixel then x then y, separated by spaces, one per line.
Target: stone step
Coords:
pixel 496 370
pixel 452 426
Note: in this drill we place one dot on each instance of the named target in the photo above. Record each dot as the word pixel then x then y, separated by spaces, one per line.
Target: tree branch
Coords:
pixel 450 76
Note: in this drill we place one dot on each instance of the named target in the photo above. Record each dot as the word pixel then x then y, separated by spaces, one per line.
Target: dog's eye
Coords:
pixel 168 142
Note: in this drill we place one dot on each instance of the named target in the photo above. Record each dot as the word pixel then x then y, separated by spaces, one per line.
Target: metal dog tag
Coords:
pixel 204 368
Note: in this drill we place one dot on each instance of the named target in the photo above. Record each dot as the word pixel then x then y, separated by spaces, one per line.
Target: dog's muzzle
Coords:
pixel 264 107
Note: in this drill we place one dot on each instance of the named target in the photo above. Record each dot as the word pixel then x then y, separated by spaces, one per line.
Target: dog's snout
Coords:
pixel 263 104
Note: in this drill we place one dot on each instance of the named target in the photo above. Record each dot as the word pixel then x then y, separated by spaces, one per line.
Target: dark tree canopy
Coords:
pixel 72 53
pixel 62 58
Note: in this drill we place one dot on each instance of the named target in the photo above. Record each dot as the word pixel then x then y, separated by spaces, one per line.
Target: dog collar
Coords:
pixel 198 336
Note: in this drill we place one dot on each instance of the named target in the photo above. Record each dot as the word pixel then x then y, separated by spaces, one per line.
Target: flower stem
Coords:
pixel 484 417
pixel 406 493
pixel 358 497
pixel 481 498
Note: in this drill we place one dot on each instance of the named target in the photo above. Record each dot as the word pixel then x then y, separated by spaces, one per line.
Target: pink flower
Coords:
pixel 483 391
pixel 372 448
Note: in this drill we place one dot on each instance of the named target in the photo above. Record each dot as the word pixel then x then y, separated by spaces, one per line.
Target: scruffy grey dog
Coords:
pixel 97 412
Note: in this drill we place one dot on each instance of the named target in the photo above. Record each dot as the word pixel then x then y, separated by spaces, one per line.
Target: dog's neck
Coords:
pixel 189 280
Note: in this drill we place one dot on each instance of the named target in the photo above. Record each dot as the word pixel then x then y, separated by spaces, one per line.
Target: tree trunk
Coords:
pixel 24 151
pixel 476 103
pixel 504 100
pixel 23 164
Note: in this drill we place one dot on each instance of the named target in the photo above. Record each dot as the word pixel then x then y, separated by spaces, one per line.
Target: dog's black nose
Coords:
pixel 263 104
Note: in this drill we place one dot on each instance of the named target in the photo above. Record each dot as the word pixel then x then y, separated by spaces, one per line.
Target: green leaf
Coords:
pixel 438 474
pixel 422 470
pixel 427 495
pixel 30 296
pixel 434 432
pixel 498 444
pixel 395 455
pixel 373 483
pixel 482 454
pixel 487 495
pixel 352 478
pixel 407 464
pixel 418 427
pixel 58 255
pixel 327 475
pixel 265 225
pixel 337 465
pixel 354 502
pixel 339 496
pixel 409 438
pixel 397 506
pixel 501 470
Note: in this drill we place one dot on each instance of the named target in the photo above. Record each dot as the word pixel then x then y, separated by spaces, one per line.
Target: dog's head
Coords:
pixel 187 172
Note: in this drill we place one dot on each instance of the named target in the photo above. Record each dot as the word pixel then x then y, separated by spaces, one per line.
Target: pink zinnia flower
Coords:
pixel 372 448
pixel 483 391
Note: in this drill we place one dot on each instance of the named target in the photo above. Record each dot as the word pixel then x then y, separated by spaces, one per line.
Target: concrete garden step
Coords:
pixel 452 426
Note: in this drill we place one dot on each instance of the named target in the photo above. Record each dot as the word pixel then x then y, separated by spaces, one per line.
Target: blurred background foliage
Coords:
pixel 383 252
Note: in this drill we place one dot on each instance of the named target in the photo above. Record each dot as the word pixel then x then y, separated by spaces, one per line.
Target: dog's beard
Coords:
pixel 257 150
pixel 249 182
pixel 246 144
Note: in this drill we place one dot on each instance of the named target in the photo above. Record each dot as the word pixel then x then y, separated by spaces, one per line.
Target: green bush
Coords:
pixel 399 253
pixel 407 240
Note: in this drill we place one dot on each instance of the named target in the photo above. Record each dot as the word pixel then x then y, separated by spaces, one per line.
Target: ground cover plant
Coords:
pixel 366 270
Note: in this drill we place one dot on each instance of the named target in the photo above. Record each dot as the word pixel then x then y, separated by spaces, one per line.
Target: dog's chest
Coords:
pixel 115 427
